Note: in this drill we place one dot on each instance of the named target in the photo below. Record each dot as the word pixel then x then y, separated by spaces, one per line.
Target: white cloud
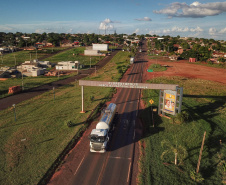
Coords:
pixel 214 32
pixel 194 10
pixel 6 28
pixel 197 29
pixel 137 30
pixel 144 19
pixel 105 25
pixel 177 30
pixel 222 31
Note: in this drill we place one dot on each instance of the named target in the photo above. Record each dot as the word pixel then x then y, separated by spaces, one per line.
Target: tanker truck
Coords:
pixel 99 137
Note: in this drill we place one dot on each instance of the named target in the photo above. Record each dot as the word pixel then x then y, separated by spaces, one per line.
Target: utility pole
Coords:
pixel 90 62
pixel 22 79
pixel 15 59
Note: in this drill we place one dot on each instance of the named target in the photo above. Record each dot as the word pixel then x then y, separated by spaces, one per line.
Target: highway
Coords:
pixel 116 165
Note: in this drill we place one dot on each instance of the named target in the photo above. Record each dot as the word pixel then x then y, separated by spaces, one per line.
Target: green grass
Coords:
pixel 73 55
pixel 29 146
pixel 205 103
pixel 21 56
pixel 157 67
pixel 29 82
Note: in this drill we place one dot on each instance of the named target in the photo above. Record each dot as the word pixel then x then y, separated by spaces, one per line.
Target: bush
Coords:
pixel 69 123
pixel 180 118
pixel 197 177
pixel 91 98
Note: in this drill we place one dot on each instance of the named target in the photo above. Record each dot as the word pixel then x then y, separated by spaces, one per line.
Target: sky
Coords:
pixel 187 18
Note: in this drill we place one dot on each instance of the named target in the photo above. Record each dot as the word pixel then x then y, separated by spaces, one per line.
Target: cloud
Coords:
pixel 137 30
pixel 5 28
pixel 144 19
pixel 105 25
pixel 222 31
pixel 177 30
pixel 194 10
pixel 182 30
pixel 214 32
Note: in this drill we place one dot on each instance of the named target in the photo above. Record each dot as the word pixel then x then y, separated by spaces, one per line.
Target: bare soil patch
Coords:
pixel 185 69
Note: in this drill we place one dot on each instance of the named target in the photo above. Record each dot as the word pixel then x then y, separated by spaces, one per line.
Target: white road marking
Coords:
pixel 134 130
pixel 128 172
pixel 120 158
pixel 79 165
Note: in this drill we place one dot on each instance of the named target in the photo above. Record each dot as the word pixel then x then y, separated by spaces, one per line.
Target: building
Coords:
pixel 34 67
pixel 192 59
pixel 68 65
pixel 101 47
pixel 90 52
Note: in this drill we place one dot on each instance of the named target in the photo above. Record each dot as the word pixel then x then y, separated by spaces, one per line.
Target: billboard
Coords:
pixel 169 103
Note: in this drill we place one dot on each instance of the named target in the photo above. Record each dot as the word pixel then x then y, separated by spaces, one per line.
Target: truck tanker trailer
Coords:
pixel 99 137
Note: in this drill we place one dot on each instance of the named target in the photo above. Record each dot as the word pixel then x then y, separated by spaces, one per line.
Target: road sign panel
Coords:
pixel 151 101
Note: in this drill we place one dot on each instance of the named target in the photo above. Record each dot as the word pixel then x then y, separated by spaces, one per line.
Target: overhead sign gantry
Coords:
pixel 169 88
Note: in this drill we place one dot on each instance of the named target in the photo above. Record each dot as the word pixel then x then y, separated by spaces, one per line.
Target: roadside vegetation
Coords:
pixel 44 126
pixel 170 150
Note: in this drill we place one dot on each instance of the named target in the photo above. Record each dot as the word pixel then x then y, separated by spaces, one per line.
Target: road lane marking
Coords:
pixel 120 158
pixel 79 165
pixel 134 130
pixel 128 172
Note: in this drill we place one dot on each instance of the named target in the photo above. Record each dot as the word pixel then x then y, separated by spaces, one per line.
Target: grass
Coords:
pixel 73 55
pixel 157 67
pixel 29 82
pixel 21 56
pixel 29 146
pixel 204 101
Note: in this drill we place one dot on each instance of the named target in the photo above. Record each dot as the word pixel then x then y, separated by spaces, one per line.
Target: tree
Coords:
pixel 178 150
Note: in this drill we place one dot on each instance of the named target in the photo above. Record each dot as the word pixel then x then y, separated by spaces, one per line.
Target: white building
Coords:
pixel 67 65
pixel 88 52
pixel 101 47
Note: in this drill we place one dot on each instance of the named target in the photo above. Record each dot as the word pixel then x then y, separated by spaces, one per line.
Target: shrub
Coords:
pixel 91 98
pixel 180 118
pixel 197 177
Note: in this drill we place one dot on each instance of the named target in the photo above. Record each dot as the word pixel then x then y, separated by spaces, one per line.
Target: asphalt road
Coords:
pixel 25 95
pixel 116 165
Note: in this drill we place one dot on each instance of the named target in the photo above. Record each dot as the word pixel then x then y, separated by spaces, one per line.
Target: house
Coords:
pixel 33 71
pixel 180 51
pixel 192 59
pixel 34 67
pixel 173 57
pixel 68 65
pixel 39 45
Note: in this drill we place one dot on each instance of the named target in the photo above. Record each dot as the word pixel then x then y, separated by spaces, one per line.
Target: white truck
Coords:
pixel 99 137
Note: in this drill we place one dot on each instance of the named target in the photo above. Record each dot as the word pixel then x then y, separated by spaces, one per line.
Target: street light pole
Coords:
pixel 22 80
pixel 14 108
pixel 90 62
pixel 54 93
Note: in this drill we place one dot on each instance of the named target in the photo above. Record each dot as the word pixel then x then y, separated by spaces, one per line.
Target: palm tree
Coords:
pixel 178 150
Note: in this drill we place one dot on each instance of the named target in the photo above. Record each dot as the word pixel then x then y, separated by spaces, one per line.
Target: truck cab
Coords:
pixel 98 140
